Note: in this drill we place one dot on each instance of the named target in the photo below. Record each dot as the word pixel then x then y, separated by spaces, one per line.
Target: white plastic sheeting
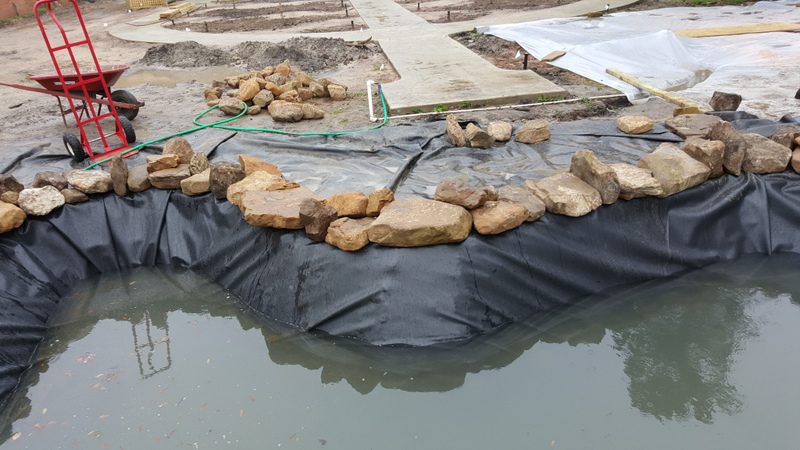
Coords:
pixel 763 68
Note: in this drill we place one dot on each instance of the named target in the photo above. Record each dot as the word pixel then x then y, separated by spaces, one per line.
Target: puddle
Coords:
pixel 164 359
pixel 170 78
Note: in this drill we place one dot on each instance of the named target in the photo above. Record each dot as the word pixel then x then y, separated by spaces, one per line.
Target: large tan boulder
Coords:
pixel 735 146
pixel 522 196
pixel 349 234
pixel 787 135
pixel 349 204
pixel 9 197
pixel 416 222
pixel 586 166
pixel 40 201
pixel 455 133
pixel 533 132
pixel 312 112
pixel 283 111
pixel 197 184
pixel 231 106
pixel 337 92
pixel 276 209
pixel 478 137
pixel 263 98
pixel 248 89
pixel 181 148
pixel 763 155
pixel 674 169
pixel 634 124
pixel 566 194
pixel 170 178
pixel 252 164
pixel 500 130
pixel 257 181
pixel 692 125
pixel 377 200
pixel 496 217
pixel 635 182
pixel 710 153
pixel 11 217
pixel 90 181
pixel 459 193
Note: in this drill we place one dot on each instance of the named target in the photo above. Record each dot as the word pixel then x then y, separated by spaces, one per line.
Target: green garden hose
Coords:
pixel 220 124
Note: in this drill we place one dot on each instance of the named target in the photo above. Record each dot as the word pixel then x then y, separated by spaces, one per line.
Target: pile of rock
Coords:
pixel 278 90
pixel 531 132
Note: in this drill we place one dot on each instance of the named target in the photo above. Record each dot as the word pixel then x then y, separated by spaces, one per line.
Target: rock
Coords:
pixel 416 222
pixel 73 196
pixel 273 88
pixel 312 112
pixel 290 96
pixel 277 79
pixel 261 82
pixel 710 153
pixel 316 217
pixel 787 136
pixel 55 179
pixel 524 197
pixel 763 155
pixel 674 169
pixel 283 111
pixel 212 93
pixel 213 102
pixel 252 164
pixel 253 110
pixel 197 184
pixel 377 200
pixel 231 106
pixel 735 146
pixel 257 181
pixel 161 162
pixel 533 132
pixel 9 183
pixel 305 94
pixel 181 148
pixel 138 179
pixel 170 178
pixel 283 69
pixel 497 217
pixel 337 92
pixel 596 174
pixel 263 98
pixel 723 101
pixel 500 130
pixel 692 125
pixel 248 89
pixel 455 133
pixel 349 234
pixel 232 81
pixel 462 194
pixel 478 138
pixel 233 93
pixel 566 194
pixel 635 182
pixel 198 163
pixel 118 170
pixel 9 197
pixel 223 175
pixel 349 204
pixel 634 124
pixel 40 201
pixel 795 161
pixel 303 78
pixel 267 71
pixel 11 217
pixel 317 90
pixel 276 209
pixel 90 181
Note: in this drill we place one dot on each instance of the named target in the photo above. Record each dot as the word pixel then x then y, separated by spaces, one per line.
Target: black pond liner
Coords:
pixel 416 297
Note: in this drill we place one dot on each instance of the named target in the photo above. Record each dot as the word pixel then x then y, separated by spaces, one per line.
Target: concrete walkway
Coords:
pixel 434 69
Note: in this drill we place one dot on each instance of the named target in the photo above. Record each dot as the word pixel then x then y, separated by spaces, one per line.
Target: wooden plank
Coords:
pixel 739 29
pixel 671 97
pixel 554 55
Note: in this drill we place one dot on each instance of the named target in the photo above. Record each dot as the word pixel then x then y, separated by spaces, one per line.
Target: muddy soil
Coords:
pixel 435 11
pixel 309 54
pixel 230 13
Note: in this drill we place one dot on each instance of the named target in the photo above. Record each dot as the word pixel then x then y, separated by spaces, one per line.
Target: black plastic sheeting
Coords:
pixel 418 297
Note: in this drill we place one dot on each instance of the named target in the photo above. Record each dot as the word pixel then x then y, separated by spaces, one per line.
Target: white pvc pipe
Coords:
pixel 372 117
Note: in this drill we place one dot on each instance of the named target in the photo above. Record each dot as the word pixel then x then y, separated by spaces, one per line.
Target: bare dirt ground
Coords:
pixel 289 16
pixel 440 11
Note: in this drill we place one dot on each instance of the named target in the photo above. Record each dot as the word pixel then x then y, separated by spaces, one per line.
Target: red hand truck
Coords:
pixel 83 86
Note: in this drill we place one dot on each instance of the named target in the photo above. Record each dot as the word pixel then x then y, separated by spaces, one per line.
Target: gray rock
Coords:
pixel 597 174
pixel 170 178
pixel 9 183
pixel 138 179
pixel 55 179
pixel 198 163
pixel 478 137
pixel 735 146
pixel 118 169
pixel 316 217
pixel 764 155
pixel 524 197
pixel 223 175
pixel 90 181
pixel 40 201
pixel 724 101
pixel 566 194
pixel 73 196
pixel 674 169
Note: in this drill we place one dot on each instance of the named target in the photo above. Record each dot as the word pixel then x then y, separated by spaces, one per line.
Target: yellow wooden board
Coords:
pixel 739 29
pixel 671 97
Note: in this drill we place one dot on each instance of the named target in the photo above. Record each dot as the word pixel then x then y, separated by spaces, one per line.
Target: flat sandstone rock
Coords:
pixel 566 194
pixel 276 209
pixel 416 222
pixel 496 217
pixel 636 182
pixel 764 155
pixel 674 169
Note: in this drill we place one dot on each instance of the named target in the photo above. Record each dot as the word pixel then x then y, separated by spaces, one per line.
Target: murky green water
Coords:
pixel 163 360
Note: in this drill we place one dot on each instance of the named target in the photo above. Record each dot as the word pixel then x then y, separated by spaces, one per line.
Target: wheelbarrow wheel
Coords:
pixel 122 96
pixel 74 147
pixel 127 128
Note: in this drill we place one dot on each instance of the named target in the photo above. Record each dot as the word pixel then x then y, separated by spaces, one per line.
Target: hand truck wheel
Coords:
pixel 123 96
pixel 127 128
pixel 74 147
